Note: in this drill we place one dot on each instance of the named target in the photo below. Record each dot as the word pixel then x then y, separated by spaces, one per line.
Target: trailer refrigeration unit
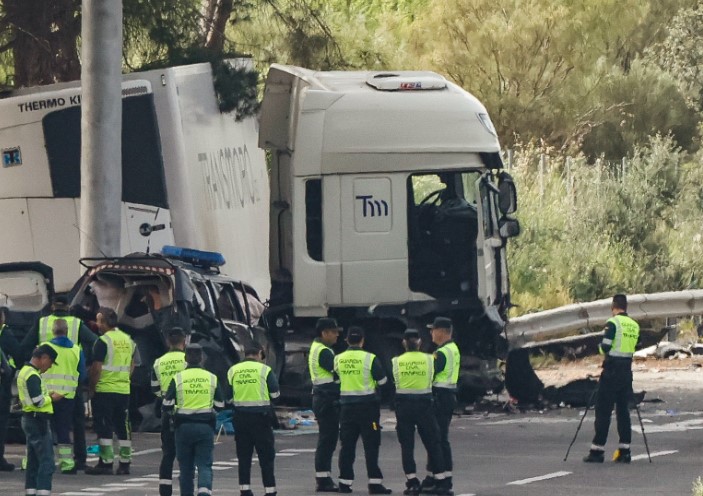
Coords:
pixel 384 204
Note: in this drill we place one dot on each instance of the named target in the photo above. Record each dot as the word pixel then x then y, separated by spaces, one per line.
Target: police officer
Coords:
pixel 81 335
pixel 359 373
pixel 63 378
pixel 325 401
pixel 10 352
pixel 36 412
pixel 114 358
pixel 447 362
pixel 413 372
pixel 163 371
pixel 253 386
pixel 620 338
pixel 194 395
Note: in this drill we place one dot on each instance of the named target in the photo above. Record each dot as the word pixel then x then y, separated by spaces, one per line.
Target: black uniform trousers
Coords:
pixel 411 413
pixel 79 447
pixel 253 430
pixel 110 417
pixel 168 455
pixel 614 389
pixel 360 419
pixel 5 401
pixel 326 409
pixel 444 406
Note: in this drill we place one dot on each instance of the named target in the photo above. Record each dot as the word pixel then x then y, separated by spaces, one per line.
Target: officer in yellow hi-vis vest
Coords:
pixel 114 358
pixel 63 378
pixel 253 385
pixel 359 373
pixel 325 401
pixel 194 395
pixel 447 362
pixel 620 338
pixel 165 368
pixel 10 353
pixel 36 413
pixel 413 372
pixel 81 335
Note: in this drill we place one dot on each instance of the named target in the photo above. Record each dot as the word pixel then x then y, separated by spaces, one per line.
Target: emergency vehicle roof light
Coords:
pixel 196 257
pixel 394 82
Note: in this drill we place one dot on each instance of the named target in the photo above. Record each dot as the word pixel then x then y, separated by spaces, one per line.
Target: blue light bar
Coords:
pixel 196 257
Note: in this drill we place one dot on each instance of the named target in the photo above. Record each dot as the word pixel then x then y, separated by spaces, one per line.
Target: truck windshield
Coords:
pixel 442 231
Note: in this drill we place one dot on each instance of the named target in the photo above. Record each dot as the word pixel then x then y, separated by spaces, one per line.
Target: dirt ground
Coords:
pixel 651 374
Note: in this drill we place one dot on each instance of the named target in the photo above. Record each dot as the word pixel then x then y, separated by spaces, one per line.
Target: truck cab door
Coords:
pixel 493 284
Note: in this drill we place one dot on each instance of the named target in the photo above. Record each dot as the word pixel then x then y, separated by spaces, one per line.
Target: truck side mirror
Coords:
pixel 508 227
pixel 507 194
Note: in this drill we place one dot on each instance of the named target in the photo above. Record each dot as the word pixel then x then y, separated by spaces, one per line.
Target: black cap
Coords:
pixel 45 349
pixel 60 301
pixel 355 333
pixel 327 324
pixel 411 334
pixel 176 331
pixel 441 323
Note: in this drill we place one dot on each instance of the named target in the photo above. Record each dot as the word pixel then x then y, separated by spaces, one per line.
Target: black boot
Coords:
pixel 100 469
pixel 345 488
pixel 246 492
pixel 412 487
pixel 379 489
pixel 622 455
pixel 122 469
pixel 6 466
pixel 428 485
pixel 165 489
pixel 326 485
pixel 594 456
pixel 443 487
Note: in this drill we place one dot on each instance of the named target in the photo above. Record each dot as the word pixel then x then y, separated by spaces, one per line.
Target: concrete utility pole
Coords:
pixel 101 128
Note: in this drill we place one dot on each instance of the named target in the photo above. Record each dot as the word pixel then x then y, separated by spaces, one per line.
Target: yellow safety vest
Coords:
pixel 116 367
pixel 167 367
pixel 248 381
pixel 449 376
pixel 413 372
pixel 195 391
pixel 62 377
pixel 46 328
pixel 354 370
pixel 27 404
pixel 627 332
pixel 318 374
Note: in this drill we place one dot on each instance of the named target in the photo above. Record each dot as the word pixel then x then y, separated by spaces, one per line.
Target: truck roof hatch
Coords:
pixel 396 82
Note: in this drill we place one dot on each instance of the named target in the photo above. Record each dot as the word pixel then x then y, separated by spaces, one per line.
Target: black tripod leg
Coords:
pixel 644 436
pixel 583 417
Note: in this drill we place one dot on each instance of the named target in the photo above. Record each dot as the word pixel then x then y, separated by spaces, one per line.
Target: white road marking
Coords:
pixel 540 478
pixel 684 425
pixel 82 493
pixel 125 484
pixel 658 453
pixel 146 451
pixel 466 494
pixel 216 467
pixel 229 464
pixel 287 454
pixel 104 489
pixel 300 450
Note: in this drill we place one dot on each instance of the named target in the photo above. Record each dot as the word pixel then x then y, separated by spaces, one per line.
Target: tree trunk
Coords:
pixel 45 40
pixel 215 40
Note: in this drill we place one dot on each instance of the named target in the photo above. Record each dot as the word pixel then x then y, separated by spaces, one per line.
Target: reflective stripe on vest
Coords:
pixel 413 372
pixel 195 391
pixel 448 377
pixel 62 377
pixel 318 374
pixel 627 332
pixel 167 367
pixel 46 328
pixel 354 370
pixel 248 381
pixel 27 403
pixel 116 367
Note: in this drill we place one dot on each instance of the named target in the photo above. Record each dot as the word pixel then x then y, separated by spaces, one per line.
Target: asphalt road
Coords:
pixel 495 454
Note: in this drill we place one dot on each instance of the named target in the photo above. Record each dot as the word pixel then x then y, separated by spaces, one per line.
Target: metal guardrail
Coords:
pixel 558 321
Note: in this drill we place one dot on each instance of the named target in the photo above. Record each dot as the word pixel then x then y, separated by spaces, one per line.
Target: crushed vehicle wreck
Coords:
pixel 152 293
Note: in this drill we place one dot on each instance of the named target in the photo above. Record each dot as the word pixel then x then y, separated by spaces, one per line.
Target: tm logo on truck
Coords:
pixel 11 157
pixel 373 208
